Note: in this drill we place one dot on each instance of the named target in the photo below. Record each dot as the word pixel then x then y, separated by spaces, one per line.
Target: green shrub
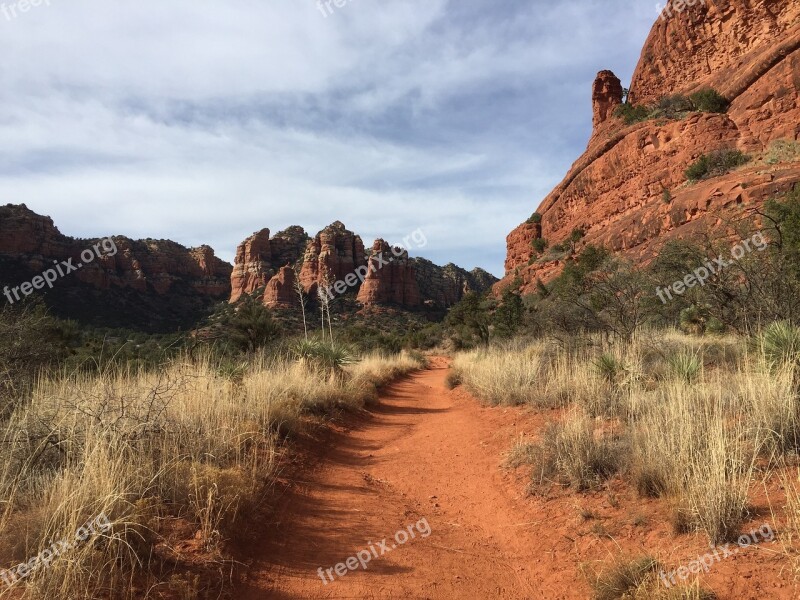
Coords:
pixel 666 196
pixel 709 100
pixel 539 245
pixel 673 106
pixel 534 219
pixel 608 367
pixel 324 355
pixel 715 164
pixel 632 114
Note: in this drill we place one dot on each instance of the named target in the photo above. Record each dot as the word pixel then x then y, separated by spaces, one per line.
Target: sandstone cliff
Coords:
pixel 628 191
pixel 259 257
pixel 336 253
pixel 153 284
pixel 393 283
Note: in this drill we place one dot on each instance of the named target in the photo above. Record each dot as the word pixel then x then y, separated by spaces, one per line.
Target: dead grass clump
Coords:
pixel 572 453
pixel 639 579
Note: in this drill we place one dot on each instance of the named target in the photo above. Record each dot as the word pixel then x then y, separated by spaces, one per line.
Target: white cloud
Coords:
pixel 205 121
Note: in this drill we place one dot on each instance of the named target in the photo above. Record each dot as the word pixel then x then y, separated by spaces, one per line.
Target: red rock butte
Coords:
pixel 628 191
pixel 290 260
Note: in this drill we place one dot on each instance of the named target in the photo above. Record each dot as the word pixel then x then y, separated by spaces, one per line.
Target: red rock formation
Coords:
pixel 252 267
pixel 606 96
pixel 628 191
pixel 280 292
pixel 390 279
pixel 442 287
pixel 259 257
pixel 333 254
pixel 34 242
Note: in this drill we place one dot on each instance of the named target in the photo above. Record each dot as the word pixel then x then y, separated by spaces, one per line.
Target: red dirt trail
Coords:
pixel 426 452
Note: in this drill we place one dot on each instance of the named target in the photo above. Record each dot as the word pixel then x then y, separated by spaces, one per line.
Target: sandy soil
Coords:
pixel 424 452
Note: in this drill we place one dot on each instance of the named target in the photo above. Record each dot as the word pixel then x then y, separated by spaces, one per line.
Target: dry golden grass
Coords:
pixel 692 415
pixel 191 441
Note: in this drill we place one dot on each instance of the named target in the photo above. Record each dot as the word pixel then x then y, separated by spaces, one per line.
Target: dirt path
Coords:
pixel 423 453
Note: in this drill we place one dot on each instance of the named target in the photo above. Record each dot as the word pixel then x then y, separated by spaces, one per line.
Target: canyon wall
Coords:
pixel 628 191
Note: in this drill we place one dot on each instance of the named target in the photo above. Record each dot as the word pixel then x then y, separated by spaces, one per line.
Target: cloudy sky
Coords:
pixel 205 121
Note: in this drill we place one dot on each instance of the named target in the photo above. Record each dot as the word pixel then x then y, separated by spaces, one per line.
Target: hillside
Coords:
pixel 629 191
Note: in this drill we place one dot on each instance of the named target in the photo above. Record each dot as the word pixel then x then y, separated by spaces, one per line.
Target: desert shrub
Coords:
pixel 322 355
pixel 539 245
pixel 32 341
pixel 631 114
pixel 249 326
pixel 715 164
pixel 640 579
pixel 609 367
pixel 453 379
pixel 534 219
pixel 672 107
pixel 709 100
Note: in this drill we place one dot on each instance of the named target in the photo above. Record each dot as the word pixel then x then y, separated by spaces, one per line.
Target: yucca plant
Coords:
pixel 780 343
pixel 324 355
pixel 608 367
pixel 686 365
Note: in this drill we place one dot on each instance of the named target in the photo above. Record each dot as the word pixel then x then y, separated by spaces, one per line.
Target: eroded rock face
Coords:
pixel 606 96
pixel 143 265
pixel 259 257
pixel 152 285
pixel 280 291
pixel 442 287
pixel 628 191
pixel 334 253
pixel 390 279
